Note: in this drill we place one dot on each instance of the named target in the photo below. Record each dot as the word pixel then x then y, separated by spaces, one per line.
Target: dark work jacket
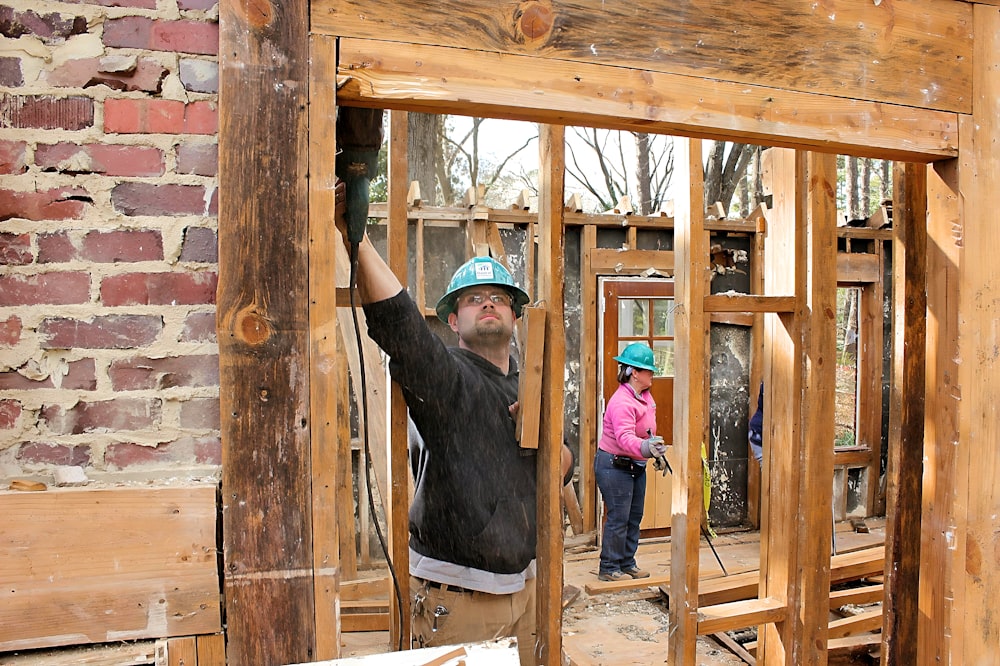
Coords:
pixel 474 500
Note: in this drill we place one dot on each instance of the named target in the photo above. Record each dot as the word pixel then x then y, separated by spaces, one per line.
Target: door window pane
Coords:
pixel 633 320
pixel 663 354
pixel 663 317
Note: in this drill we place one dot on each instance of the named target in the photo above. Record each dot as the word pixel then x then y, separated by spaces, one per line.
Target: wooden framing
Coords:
pixel 888 87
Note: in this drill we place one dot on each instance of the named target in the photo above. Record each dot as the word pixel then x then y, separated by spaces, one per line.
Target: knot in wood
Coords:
pixel 533 22
pixel 253 328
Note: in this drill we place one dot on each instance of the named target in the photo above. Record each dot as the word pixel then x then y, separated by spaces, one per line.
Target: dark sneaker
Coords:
pixel 636 572
pixel 612 576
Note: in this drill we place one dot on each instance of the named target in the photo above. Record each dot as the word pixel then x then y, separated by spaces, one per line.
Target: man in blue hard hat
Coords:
pixel 472 520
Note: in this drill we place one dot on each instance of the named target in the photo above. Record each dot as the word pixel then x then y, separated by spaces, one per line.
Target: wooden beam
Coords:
pixel 211 649
pixel 476 83
pixel 740 614
pixel 630 262
pixel 855 267
pixel 182 651
pixel 748 303
pixel 849 49
pixel 325 377
pixel 397 467
pixel 551 271
pixel 262 321
pixel 904 474
pixel 856 624
pixel 690 401
pixel 868 594
pixel 347 532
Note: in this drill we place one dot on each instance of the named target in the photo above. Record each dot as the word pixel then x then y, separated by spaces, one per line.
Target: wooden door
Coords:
pixel 642 310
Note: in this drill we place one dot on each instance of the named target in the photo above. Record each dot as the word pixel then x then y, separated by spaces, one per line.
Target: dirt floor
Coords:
pixel 620 624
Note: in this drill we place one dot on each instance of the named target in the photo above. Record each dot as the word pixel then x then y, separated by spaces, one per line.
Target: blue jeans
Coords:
pixel 624 494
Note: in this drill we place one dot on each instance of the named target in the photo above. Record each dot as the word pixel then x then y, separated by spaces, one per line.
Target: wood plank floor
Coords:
pixel 620 624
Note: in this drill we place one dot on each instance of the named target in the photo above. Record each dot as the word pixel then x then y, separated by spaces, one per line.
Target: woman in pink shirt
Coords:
pixel 628 439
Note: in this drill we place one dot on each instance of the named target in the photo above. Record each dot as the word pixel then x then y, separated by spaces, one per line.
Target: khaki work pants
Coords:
pixel 448 616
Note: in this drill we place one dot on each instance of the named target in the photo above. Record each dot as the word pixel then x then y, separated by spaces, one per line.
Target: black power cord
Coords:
pixel 355 245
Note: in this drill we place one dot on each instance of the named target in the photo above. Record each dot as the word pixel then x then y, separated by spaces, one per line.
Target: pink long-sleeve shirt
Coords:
pixel 628 419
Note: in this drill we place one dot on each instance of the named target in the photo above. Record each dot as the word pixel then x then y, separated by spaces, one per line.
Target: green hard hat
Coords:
pixel 477 271
pixel 637 355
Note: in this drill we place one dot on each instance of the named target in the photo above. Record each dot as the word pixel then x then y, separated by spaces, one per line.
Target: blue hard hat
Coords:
pixel 478 271
pixel 637 355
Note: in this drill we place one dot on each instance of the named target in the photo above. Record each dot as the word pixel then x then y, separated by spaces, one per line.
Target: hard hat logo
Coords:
pixel 480 271
pixel 484 270
pixel 637 355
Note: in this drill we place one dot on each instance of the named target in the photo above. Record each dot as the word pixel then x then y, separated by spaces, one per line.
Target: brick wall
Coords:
pixel 108 262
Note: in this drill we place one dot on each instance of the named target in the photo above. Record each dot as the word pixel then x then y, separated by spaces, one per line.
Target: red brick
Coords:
pixel 201 159
pixel 49 27
pixel 134 199
pixel 118 246
pixel 15 249
pixel 45 112
pixel 181 36
pixel 41 453
pixel 147 75
pixel 183 451
pixel 208 451
pixel 59 288
pixel 10 411
pixel 139 4
pixel 127 245
pixel 200 414
pixel 159 116
pixel 130 32
pixel 10 330
pixel 105 415
pixel 107 332
pixel 107 159
pixel 13 156
pixel 201 118
pixel 136 374
pixel 184 36
pixel 54 204
pixel 56 248
pixel 159 289
pixel 199 327
pixel 10 72
pixel 196 4
pixel 199 75
pixel 81 375
pixel 200 245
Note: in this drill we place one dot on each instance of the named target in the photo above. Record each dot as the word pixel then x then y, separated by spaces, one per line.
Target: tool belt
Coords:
pixel 634 467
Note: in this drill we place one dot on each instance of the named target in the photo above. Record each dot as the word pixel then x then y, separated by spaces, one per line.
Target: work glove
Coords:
pixel 653 447
pixel 661 465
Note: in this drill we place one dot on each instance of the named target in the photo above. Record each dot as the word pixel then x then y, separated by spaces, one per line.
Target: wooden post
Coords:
pixel 262 316
pixel 690 406
pixel 550 290
pixel 325 380
pixel 800 259
pixel 974 617
pixel 942 547
pixel 904 475
pixel 589 378
pixel 397 504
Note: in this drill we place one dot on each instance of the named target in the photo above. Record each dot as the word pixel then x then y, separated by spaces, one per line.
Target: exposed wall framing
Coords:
pixel 920 96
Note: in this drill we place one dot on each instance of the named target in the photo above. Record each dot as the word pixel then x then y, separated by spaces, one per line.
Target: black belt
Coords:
pixel 448 587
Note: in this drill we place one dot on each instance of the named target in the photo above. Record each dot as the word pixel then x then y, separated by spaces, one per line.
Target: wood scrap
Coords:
pixel 27 485
pixel 734 647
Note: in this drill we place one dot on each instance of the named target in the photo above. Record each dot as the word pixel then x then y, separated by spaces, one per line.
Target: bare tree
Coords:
pixel 598 161
pixel 424 152
pixel 726 166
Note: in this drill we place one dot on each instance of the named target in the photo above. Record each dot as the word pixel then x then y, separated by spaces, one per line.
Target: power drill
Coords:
pixel 359 138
